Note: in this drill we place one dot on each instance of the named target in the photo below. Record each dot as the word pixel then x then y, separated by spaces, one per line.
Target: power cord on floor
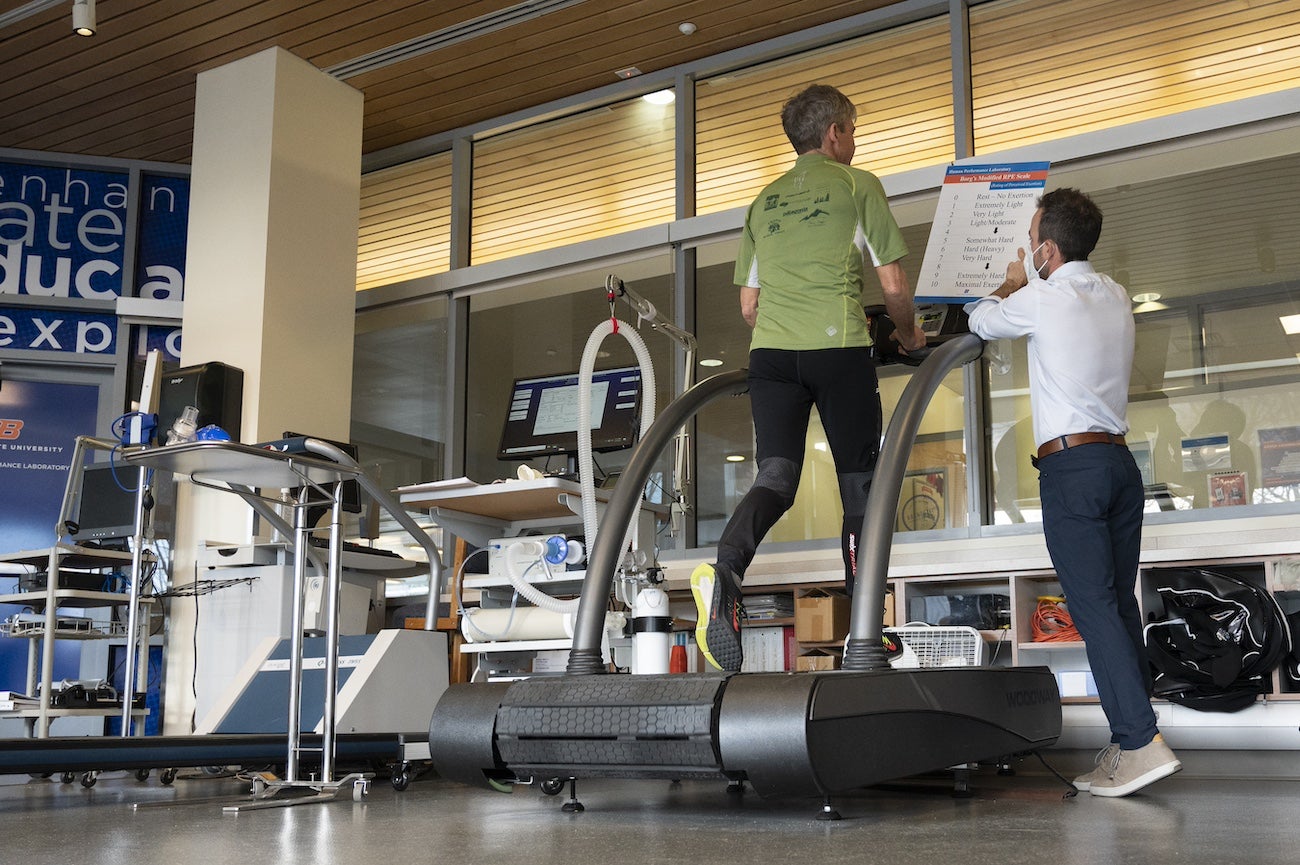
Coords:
pixel 1073 790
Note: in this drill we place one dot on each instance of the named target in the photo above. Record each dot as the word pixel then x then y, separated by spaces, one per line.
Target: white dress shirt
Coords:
pixel 1080 328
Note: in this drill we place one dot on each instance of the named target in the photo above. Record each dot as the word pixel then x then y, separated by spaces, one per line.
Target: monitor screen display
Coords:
pixel 106 511
pixel 543 416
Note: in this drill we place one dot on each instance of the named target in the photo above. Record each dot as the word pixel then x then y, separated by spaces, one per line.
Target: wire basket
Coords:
pixel 937 646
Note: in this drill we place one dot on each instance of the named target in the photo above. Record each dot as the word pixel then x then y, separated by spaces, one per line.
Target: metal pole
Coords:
pixel 333 587
pixel 301 538
pixel 864 650
pixel 133 609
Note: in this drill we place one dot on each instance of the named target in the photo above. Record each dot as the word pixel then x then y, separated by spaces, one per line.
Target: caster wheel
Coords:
pixel 142 774
pixel 360 789
pixel 552 786
pixel 88 780
pixel 167 776
pixel 68 777
pixel 401 780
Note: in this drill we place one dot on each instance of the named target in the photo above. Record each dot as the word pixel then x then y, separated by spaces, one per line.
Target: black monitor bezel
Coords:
pixel 616 432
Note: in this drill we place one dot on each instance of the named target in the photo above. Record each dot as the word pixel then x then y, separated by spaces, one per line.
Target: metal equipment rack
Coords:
pixel 66 555
pixel 244 469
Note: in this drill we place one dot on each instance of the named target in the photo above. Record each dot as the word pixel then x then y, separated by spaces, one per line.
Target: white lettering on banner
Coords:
pixel 28 223
pixel 84 330
pixel 11 265
pixel 92 337
pixel 46 332
pixel 88 291
pixel 166 283
pixel 85 229
pixel 64 237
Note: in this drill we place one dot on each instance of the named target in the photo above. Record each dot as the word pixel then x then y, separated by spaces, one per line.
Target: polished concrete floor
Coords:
pixel 1006 820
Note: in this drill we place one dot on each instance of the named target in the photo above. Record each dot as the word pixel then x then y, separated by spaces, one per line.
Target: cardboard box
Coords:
pixel 820 659
pixel 821 616
pixel 889 610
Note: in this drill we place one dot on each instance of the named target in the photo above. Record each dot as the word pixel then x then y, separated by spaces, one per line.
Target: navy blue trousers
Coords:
pixel 1092 517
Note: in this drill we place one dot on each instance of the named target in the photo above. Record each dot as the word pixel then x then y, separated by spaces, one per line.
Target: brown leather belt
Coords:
pixel 1072 440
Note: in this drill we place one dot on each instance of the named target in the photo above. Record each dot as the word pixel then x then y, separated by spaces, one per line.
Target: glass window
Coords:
pixel 900 80
pixel 594 174
pixel 399 400
pixel 934 489
pixel 1212 415
pixel 1147 60
pixel 405 229
pixel 542 329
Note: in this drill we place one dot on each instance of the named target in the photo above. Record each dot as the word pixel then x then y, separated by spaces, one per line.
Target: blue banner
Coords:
pixel 39 422
pixel 161 338
pixel 164 219
pixel 62 231
pixel 62 330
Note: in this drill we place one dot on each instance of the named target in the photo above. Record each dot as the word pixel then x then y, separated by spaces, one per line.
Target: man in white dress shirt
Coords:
pixel 1080 328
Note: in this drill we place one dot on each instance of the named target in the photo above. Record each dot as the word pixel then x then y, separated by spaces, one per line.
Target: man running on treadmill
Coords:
pixel 807 240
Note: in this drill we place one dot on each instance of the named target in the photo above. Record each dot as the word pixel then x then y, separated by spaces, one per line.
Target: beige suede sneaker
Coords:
pixel 1100 769
pixel 1132 770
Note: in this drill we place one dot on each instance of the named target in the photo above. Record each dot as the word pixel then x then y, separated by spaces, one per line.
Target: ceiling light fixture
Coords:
pixel 660 97
pixel 686 28
pixel 83 17
pixel 1146 297
pixel 710 361
pixel 735 458
pixel 1290 324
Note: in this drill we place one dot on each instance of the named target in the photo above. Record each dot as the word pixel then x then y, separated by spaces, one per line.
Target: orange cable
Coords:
pixel 1051 623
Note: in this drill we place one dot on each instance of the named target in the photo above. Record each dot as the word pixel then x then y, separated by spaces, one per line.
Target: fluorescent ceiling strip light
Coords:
pixel 448 36
pixel 27 10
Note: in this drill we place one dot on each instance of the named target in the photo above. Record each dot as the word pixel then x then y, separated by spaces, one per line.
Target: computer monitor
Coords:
pixel 105 510
pixel 543 416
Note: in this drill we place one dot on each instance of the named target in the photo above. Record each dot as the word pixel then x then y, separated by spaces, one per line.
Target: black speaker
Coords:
pixel 215 389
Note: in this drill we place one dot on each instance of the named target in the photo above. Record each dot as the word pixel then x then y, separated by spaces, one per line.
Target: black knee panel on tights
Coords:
pixel 779 475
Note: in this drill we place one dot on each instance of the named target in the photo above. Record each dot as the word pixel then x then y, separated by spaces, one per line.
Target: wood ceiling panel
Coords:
pixel 129 91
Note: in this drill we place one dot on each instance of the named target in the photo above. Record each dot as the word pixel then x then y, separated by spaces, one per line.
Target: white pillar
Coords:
pixel 270 281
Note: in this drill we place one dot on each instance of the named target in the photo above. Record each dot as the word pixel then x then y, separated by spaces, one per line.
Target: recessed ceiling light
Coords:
pixel 710 361
pixel 660 97
pixel 735 458
pixel 1290 324
pixel 1146 297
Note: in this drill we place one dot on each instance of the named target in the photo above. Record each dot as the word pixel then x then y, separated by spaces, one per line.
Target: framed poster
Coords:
pixel 1228 489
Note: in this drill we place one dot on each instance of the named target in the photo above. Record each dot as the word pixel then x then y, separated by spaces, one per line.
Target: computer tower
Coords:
pixel 215 389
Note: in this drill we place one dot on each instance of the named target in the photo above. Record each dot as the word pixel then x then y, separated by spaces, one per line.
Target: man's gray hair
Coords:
pixel 808 114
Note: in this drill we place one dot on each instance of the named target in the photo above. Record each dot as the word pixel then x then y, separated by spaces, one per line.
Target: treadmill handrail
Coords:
pixel 398 513
pixel 585 656
pixel 866 619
